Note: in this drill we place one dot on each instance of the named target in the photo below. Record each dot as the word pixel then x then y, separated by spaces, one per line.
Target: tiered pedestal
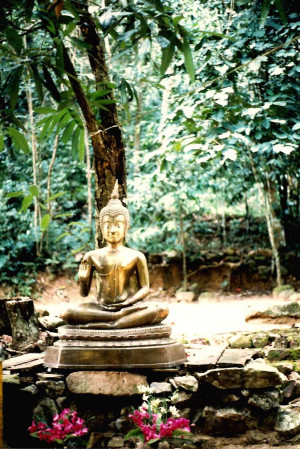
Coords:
pixel 140 347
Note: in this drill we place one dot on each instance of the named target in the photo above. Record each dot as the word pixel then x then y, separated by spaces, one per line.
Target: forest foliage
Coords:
pixel 207 95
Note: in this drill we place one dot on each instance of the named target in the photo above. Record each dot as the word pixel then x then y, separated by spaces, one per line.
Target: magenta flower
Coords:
pixel 64 426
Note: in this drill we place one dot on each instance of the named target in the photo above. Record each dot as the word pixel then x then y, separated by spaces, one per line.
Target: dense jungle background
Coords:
pixel 207 96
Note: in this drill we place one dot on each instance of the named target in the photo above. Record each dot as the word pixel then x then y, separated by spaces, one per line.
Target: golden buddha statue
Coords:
pixel 123 279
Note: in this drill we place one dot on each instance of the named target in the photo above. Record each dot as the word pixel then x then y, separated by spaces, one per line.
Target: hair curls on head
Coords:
pixel 114 207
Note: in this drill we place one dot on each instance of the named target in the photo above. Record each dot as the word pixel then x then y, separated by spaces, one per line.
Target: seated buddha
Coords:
pixel 123 279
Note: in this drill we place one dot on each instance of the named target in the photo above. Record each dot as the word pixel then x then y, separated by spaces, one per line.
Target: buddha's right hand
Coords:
pixel 84 270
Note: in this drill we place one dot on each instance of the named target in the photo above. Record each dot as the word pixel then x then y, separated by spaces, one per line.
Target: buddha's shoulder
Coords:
pixel 135 252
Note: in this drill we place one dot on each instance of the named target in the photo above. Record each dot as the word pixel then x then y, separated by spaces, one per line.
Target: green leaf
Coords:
pixel 75 138
pixel 38 82
pixel 75 251
pixel 1 141
pixel 68 132
pixel 64 234
pixel 18 139
pixel 154 440
pixel 100 93
pixel 85 230
pixel 66 214
pixel 296 127
pixel 43 110
pixel 167 55
pixel 135 433
pixel 188 59
pixel 76 223
pixel 265 9
pixel 14 39
pixel 43 206
pixel 81 146
pixel 80 43
pixel 34 190
pixel 14 194
pixel 26 203
pixel 70 27
pixel 45 221
pixel 56 195
pixel 14 87
pixel 281 11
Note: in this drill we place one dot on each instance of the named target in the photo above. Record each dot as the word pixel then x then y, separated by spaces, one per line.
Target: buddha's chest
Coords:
pixel 112 265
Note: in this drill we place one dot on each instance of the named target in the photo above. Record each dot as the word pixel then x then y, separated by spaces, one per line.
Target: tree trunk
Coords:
pixel 110 160
pixel 106 138
pixel 269 211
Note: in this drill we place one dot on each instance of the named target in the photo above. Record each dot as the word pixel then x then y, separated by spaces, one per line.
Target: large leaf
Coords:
pixel 49 84
pixel 188 59
pixel 56 195
pixel 26 203
pixel 167 55
pixel 68 132
pixel 34 190
pixel 45 221
pixel 1 141
pixel 14 194
pixel 81 146
pixel 14 39
pixel 265 9
pixel 75 139
pixel 38 82
pixel 14 86
pixel 18 139
pixel 281 10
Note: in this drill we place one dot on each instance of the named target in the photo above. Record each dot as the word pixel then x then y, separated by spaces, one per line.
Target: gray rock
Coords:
pixel 62 401
pixel 223 378
pixel 265 401
pixel 260 340
pixel 258 374
pixel 284 367
pixel 116 442
pixel 11 378
pixel 50 376
pixel 51 388
pixel 230 398
pixel 51 322
pixel 241 341
pixel 288 421
pixel 180 396
pixel 228 420
pixel 32 389
pixel 187 382
pixel 110 383
pixel 279 354
pixel 160 387
pixel 45 410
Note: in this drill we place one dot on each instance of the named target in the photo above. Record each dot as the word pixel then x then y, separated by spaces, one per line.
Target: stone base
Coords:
pixel 122 348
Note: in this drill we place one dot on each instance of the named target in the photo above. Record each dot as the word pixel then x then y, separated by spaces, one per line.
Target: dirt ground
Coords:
pixel 205 317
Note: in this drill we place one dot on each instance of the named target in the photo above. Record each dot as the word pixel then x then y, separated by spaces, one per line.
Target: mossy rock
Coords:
pixel 279 354
pixel 283 291
pixel 241 342
pixel 297 366
pixel 284 366
pixel 260 340
pixel 292 309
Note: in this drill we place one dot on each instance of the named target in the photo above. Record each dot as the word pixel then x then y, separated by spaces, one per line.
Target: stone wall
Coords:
pixel 224 392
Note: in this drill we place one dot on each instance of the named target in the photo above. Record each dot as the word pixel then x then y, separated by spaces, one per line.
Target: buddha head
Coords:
pixel 114 219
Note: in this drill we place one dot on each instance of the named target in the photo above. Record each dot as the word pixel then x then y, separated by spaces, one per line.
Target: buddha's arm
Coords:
pixel 143 281
pixel 85 275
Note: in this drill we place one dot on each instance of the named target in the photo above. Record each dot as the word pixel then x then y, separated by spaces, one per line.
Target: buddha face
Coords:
pixel 114 228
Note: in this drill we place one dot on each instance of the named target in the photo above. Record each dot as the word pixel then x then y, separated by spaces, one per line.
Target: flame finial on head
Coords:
pixel 114 207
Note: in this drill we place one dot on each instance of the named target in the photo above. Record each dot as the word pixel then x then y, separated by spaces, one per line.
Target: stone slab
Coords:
pixel 235 357
pixel 204 358
pixel 24 361
pixel 109 383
